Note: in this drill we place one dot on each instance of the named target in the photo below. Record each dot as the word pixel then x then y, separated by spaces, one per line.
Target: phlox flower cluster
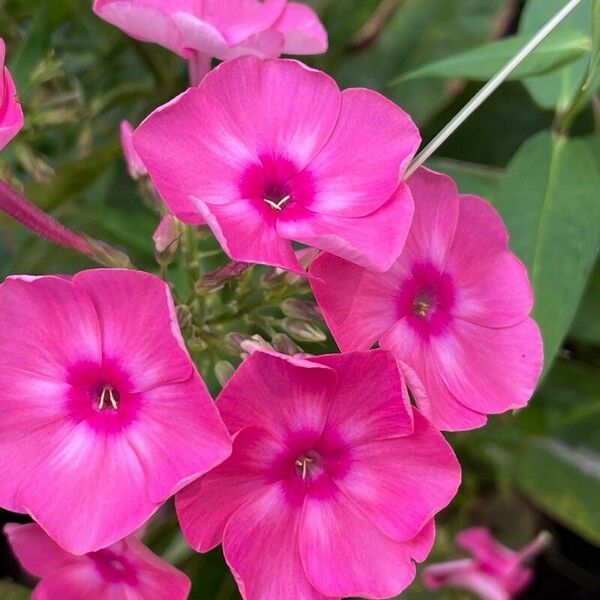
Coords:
pixel 318 475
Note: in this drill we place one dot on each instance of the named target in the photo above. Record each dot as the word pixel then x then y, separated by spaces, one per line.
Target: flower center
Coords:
pixel 277 196
pixel 309 465
pixel 423 304
pixel 108 399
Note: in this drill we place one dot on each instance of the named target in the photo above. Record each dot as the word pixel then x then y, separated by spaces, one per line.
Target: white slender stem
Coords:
pixel 488 89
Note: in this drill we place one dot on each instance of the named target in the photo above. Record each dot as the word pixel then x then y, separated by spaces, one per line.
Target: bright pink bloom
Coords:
pixel 104 415
pixel 135 166
pixel 269 151
pixel 11 114
pixel 126 570
pixel 218 28
pixel 333 482
pixel 454 308
pixel 494 573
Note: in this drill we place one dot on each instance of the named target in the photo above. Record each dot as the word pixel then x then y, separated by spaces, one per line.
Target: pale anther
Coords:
pixel 108 395
pixel 302 463
pixel 278 205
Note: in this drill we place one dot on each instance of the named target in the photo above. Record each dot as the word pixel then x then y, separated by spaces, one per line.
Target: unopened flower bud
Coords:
pixel 282 343
pixel 166 239
pixel 303 331
pixel 135 166
pixel 232 343
pixel 300 309
pixel 256 342
pixel 224 370
pixel 215 280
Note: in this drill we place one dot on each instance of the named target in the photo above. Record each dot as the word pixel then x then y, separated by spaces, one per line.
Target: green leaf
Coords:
pixel 12 591
pixel 34 47
pixel 484 62
pixel 549 200
pixel 586 326
pixel 416 34
pixel 594 68
pixel 564 481
pixel 558 89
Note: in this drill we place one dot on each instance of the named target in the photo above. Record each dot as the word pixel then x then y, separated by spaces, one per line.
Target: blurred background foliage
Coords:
pixel 533 150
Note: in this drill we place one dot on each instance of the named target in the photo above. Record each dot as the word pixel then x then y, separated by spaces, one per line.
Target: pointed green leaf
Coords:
pixel 549 200
pixel 557 89
pixel 483 62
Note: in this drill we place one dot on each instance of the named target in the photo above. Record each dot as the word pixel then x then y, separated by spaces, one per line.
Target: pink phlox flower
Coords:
pixel 494 573
pixel 333 482
pixel 104 415
pixel 267 152
pixel 219 29
pixel 126 570
pixel 454 308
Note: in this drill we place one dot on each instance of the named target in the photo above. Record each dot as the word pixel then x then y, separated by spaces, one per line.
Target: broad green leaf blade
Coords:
pixel 586 326
pixel 558 89
pixel 564 481
pixel 549 200
pixel 482 63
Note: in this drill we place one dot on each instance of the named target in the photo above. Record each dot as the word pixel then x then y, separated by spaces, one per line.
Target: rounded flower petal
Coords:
pixel 401 483
pixel 205 506
pixel 278 393
pixel 11 113
pixel 147 342
pixel 362 164
pixel 374 241
pixel 260 545
pixel 304 33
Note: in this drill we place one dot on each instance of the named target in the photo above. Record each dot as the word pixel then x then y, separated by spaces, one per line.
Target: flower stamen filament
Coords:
pixel 278 205
pixel 108 396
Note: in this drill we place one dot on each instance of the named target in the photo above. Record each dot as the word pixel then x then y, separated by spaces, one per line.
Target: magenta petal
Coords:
pixel 146 20
pixel 433 397
pixel 146 342
pixel 205 506
pixel 491 283
pixel 304 33
pixel 90 492
pixel 280 107
pixel 247 233
pixel 474 362
pixel 185 415
pixel 401 483
pixel 358 305
pixel 373 241
pixel 435 219
pixel 81 580
pixel 11 113
pixel 370 402
pixel 361 166
pixel 260 545
pixel 344 554
pixel 191 147
pixel 278 393
pixel 36 552
pixel 156 578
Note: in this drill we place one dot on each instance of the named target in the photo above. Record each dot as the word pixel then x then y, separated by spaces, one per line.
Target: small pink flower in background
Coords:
pixel 126 570
pixel 333 482
pixel 270 151
pixel 135 166
pixel 453 308
pixel 494 573
pixel 200 30
pixel 11 114
pixel 104 415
